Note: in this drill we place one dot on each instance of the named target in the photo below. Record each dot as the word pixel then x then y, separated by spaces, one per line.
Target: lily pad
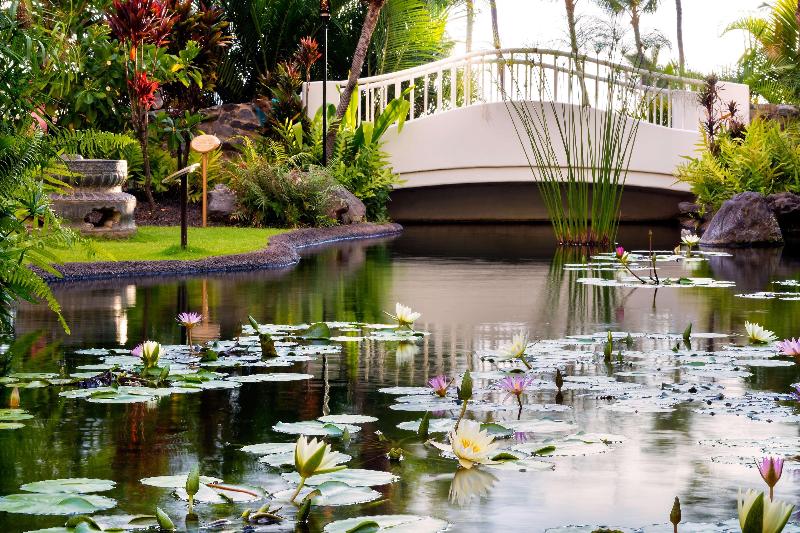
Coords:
pixel 259 378
pixel 314 428
pixel 355 477
pixel 55 504
pixel 394 523
pixel 222 493
pixel 175 482
pixel 347 419
pixel 14 415
pixel 270 448
pixel 334 494
pixel 11 425
pixel 76 485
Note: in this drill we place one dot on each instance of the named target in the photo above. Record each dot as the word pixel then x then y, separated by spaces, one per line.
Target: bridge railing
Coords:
pixel 536 74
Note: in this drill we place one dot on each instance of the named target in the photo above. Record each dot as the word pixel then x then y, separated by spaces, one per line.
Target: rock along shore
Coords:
pixel 281 252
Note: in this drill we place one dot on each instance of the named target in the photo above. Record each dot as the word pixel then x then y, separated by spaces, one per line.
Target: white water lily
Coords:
pixel 691 240
pixel 471 445
pixel 149 351
pixel 757 334
pixel 312 458
pixel 774 514
pixel 404 315
pixel 515 350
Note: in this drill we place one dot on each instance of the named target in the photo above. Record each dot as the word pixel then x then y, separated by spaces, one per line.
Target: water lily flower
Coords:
pixel 311 458
pixel 404 315
pixel 770 469
pixel 757 334
pixel 149 352
pixel 774 515
pixel 790 347
pixel 471 445
pixel 440 384
pixel 691 240
pixel 515 350
pixel 189 321
pixel 622 255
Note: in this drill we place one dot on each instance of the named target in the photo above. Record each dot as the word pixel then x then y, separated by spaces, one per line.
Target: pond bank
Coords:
pixel 282 251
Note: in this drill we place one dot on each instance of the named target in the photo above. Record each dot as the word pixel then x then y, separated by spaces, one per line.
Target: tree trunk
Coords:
pixel 370 22
pixel 495 29
pixel 148 190
pixel 797 18
pixel 573 32
pixel 681 57
pixel 470 23
pixel 637 35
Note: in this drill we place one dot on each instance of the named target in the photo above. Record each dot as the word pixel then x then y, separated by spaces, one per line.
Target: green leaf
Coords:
pixel 320 330
pixel 368 526
pixel 424 426
pixel 755 518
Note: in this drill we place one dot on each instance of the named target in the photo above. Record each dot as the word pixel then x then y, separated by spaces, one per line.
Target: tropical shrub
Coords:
pixel 28 226
pixel 765 158
pixel 270 193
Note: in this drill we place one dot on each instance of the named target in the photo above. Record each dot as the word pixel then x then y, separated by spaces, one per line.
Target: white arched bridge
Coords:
pixel 459 154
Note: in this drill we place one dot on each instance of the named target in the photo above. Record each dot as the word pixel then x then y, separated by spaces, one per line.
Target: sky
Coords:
pixel 543 23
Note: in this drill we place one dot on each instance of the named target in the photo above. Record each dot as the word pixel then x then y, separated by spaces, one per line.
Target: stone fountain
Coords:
pixel 95 205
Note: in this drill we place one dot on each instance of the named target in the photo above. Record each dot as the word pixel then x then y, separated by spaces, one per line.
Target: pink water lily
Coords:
pixel 790 347
pixel 440 384
pixel 189 320
pixel 770 469
pixel 620 252
pixel 515 385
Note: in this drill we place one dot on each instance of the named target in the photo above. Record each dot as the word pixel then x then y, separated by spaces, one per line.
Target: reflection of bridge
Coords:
pixel 459 153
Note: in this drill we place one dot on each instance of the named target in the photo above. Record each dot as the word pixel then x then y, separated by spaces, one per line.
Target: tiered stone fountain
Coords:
pixel 96 205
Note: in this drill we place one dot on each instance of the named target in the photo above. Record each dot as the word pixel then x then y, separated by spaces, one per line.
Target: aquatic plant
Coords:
pixel 189 321
pixel 265 339
pixel 471 445
pixel 192 486
pixel 760 515
pixel 405 316
pixel 796 394
pixel 770 469
pixel 149 352
pixel 789 347
pixel 515 386
pixel 311 458
pixel 440 384
pixel 624 259
pixel 690 240
pixel 516 349
pixel 675 515
pixel 465 395
pixel 13 400
pixel 758 334
pixel 580 155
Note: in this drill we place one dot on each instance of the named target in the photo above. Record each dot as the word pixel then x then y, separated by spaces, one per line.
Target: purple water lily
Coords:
pixel 515 385
pixel 789 347
pixel 796 394
pixel 440 384
pixel 770 469
pixel 189 320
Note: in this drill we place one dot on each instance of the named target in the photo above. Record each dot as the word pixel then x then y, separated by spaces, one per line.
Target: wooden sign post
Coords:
pixel 204 144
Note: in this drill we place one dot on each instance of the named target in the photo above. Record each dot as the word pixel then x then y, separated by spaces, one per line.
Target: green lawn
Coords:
pixel 158 243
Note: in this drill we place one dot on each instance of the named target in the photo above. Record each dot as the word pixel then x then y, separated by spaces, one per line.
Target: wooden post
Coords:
pixel 203 144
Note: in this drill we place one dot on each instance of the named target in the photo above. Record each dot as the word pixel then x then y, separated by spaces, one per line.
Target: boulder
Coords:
pixel 221 202
pixel 786 208
pixel 744 220
pixel 344 207
pixel 230 122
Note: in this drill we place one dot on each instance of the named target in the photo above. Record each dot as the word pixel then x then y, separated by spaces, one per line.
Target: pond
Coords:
pixel 666 420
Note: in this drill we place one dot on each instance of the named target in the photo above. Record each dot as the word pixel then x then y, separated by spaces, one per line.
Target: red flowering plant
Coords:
pixel 306 55
pixel 142 28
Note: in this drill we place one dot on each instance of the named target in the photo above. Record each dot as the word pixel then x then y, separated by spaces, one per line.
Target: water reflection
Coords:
pixel 476 287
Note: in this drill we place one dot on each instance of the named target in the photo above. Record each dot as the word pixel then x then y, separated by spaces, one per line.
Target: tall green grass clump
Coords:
pixel 581 154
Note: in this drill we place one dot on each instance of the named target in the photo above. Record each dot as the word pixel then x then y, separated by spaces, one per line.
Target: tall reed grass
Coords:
pixel 580 154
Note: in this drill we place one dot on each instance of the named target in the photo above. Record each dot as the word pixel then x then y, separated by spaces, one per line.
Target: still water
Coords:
pixel 475 286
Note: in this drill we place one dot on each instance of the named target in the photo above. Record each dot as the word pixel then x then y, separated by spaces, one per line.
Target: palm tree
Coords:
pixel 573 30
pixel 470 23
pixel 495 29
pixel 370 22
pixel 771 65
pixel 681 57
pixel 635 9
